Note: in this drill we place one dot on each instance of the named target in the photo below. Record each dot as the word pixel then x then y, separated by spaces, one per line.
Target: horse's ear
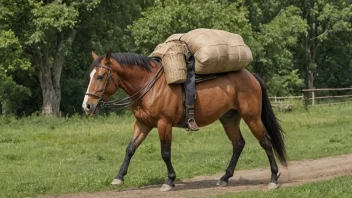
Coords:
pixel 107 57
pixel 95 57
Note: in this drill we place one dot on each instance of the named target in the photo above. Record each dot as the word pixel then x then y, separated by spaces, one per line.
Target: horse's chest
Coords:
pixel 144 116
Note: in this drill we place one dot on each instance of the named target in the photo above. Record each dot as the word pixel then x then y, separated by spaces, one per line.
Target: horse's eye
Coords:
pixel 100 77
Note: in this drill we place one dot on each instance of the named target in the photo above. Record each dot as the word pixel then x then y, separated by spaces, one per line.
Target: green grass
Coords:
pixel 41 155
pixel 336 188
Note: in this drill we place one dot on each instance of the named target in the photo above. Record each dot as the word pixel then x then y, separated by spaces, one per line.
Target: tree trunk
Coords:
pixel 310 79
pixel 50 73
pixel 311 47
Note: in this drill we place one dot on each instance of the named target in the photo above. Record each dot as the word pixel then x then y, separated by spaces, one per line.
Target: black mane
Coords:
pixel 128 59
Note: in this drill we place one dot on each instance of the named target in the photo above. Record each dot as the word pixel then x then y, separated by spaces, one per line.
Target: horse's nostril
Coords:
pixel 88 106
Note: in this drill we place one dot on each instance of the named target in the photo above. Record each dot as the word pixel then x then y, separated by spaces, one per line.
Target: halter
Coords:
pixel 121 103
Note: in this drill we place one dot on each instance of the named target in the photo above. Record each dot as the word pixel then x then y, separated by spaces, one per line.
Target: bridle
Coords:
pixel 110 76
pixel 121 103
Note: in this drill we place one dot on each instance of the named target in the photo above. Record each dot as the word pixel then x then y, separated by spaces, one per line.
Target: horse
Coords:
pixel 229 98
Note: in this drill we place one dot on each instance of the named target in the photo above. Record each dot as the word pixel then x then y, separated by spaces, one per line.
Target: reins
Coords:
pixel 128 101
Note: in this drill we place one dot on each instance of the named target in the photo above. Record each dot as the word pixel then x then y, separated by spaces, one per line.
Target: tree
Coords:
pixel 12 60
pixel 46 30
pixel 272 47
pixel 99 32
pixel 324 19
pixel 168 17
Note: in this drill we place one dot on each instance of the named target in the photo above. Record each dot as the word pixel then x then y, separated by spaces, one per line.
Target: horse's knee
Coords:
pixel 166 155
pixel 239 144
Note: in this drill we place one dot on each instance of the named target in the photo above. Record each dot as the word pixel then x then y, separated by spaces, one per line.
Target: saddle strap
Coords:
pixel 190 94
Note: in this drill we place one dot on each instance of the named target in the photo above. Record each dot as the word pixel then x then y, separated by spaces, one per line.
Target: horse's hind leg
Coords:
pixel 256 126
pixel 231 123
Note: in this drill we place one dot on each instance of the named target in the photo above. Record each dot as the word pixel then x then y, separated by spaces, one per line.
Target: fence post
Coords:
pixel 305 99
pixel 313 96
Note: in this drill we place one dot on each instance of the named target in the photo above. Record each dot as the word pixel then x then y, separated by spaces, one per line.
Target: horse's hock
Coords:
pixel 215 51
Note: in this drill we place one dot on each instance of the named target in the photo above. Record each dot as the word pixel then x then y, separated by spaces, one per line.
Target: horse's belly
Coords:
pixel 212 102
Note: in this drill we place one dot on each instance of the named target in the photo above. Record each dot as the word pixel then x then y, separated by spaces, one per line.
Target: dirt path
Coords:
pixel 299 172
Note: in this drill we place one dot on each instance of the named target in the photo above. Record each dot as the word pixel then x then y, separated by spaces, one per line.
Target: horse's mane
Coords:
pixel 129 59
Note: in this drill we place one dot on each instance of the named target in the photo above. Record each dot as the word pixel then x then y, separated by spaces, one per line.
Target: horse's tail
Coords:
pixel 272 126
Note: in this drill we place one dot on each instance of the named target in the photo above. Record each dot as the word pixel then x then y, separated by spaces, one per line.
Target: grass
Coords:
pixel 40 155
pixel 336 188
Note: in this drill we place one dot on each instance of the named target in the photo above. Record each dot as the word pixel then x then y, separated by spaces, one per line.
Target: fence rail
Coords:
pixel 276 99
pixel 286 97
pixel 314 98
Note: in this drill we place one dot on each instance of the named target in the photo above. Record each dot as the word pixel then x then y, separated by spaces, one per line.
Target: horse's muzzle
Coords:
pixel 91 109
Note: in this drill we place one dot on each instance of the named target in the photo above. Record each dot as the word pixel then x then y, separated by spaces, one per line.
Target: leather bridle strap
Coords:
pixel 119 104
pixel 126 102
pixel 110 76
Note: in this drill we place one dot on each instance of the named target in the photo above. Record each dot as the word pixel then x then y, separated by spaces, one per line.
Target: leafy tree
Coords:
pixel 168 17
pixel 12 60
pixel 99 31
pixel 324 19
pixel 46 30
pixel 272 48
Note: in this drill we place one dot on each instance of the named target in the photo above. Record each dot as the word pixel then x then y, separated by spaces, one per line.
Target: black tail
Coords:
pixel 272 125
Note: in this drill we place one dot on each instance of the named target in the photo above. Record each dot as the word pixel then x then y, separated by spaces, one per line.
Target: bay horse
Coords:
pixel 230 97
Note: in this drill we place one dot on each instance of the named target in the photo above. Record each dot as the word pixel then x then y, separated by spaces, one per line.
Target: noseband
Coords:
pixel 110 76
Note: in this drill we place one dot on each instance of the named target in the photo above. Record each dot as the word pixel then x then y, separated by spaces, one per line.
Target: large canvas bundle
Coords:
pixel 173 60
pixel 217 51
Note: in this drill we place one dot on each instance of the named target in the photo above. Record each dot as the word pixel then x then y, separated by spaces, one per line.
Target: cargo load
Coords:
pixel 215 51
pixel 172 55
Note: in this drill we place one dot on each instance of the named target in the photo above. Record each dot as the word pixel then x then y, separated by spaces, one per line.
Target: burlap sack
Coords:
pixel 173 60
pixel 174 37
pixel 216 51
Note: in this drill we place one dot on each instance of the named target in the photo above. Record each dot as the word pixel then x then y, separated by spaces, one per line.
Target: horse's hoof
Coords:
pixel 273 186
pixel 165 188
pixel 221 183
pixel 117 182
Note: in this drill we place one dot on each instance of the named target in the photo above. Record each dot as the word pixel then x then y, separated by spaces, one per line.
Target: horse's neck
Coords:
pixel 136 79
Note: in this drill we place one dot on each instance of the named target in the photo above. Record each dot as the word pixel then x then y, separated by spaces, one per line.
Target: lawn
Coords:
pixel 41 155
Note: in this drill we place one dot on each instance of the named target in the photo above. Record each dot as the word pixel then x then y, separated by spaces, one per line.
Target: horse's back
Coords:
pixel 232 90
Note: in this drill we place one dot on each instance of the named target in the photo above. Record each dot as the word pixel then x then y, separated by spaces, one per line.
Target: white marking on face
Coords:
pixel 84 105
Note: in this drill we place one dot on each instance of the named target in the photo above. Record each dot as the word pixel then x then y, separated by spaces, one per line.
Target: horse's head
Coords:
pixel 103 83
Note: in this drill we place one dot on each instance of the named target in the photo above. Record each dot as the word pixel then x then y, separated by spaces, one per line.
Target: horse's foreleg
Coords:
pixel 165 135
pixel 231 121
pixel 140 133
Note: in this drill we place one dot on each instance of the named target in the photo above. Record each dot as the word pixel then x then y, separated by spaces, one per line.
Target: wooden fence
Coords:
pixel 311 98
pixel 284 103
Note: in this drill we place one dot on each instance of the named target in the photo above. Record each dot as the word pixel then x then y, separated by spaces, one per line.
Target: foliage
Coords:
pixel 285 84
pixel 274 39
pixel 11 95
pixel 169 17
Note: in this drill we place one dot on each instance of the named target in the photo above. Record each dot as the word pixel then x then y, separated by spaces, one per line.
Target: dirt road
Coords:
pixel 298 172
